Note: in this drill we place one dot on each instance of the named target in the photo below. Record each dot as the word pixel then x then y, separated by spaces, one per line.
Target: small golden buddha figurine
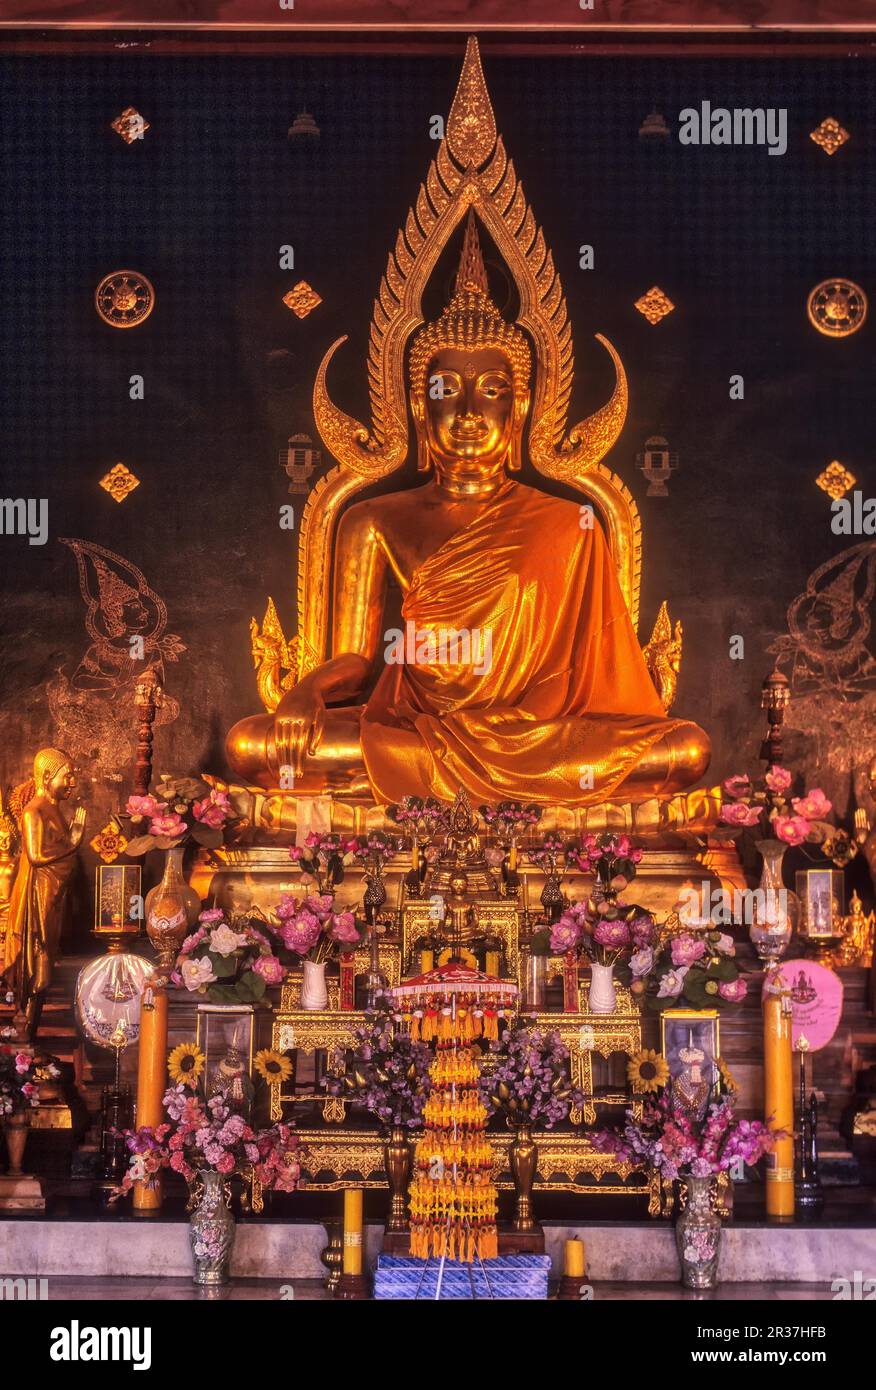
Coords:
pixel 44 870
pixel 551 701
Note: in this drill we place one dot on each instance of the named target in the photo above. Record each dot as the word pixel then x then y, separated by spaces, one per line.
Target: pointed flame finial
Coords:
pixel 472 274
pixel 471 125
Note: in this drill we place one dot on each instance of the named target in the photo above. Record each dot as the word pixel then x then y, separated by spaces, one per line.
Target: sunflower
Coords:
pixel 272 1066
pixel 185 1064
pixel 728 1079
pixel 647 1071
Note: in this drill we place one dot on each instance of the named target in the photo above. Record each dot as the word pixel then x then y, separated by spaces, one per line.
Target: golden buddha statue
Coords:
pixel 47 861
pixel 518 674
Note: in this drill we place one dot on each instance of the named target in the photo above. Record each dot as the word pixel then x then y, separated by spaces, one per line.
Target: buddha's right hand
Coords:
pixel 299 721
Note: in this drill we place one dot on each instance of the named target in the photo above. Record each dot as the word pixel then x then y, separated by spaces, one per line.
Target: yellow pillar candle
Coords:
pixel 353 1230
pixel 151 1079
pixel 427 961
pixel 415 857
pixel 512 859
pixel 778 1069
pixel 574 1264
pixel 492 962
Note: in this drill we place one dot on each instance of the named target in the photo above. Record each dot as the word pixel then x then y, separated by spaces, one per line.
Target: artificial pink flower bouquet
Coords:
pixel 611 930
pixel 229 962
pixel 19 1080
pixel 690 969
pixel 669 1140
pixel 215 1138
pixel 771 812
pixel 181 810
pixel 311 928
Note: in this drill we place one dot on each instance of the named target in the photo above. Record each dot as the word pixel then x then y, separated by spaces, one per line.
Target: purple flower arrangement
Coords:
pixel 386 1071
pixel 667 1139
pixel 213 1137
pixel 530 1082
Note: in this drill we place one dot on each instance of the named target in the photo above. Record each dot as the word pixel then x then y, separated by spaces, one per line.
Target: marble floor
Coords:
pixel 144 1290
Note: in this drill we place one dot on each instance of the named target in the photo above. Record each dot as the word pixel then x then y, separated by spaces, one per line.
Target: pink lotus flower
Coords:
pixel 672 983
pixel 270 969
pixel 192 941
pixel 734 991
pixel 778 779
pixel 641 962
pixel 687 949
pixel 565 933
pixel 224 941
pixel 725 945
pixel 211 914
pixel 612 934
pixel 295 853
pixel 343 928
pixel 642 930
pixel 320 906
pixel 813 806
pixel 738 813
pixel 737 786
pixel 792 829
pixel 300 933
pixel 197 973
pixel 168 827
pixel 141 806
pixel 209 813
pixel 22 1063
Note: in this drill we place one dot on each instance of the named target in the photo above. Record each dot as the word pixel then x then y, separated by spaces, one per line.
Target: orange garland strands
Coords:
pixel 453 1200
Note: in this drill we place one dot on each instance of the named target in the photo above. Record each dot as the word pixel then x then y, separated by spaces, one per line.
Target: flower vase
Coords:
pixel 172 907
pixel 523 1159
pixel 698 1234
pixel 314 994
pixel 771 925
pixel 602 992
pixel 15 1129
pixel 211 1229
pixel 397 1157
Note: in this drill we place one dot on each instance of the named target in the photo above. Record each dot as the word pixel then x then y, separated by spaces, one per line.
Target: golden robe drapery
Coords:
pixel 566 698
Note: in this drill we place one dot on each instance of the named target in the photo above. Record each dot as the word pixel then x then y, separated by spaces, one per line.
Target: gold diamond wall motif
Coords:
pixel 836 480
pixel 837 307
pixel 829 135
pixel 109 842
pixel 118 482
pixel 124 298
pixel 655 305
pixel 130 125
pixel 302 299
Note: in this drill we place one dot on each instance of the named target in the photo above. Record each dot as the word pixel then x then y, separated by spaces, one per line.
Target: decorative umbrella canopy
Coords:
pixel 452 981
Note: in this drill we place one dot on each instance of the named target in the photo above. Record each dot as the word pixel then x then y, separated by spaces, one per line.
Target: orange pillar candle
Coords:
pixel 512 858
pixel 778 1069
pixel 415 857
pixel 353 1230
pixel 574 1263
pixel 151 1081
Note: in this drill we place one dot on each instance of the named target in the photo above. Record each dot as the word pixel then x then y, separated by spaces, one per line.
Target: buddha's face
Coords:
pixel 470 418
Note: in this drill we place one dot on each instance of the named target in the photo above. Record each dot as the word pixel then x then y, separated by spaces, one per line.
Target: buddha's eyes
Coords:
pixel 450 384
pixel 494 386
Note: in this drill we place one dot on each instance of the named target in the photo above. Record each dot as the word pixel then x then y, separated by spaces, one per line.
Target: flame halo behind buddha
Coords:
pixel 564 711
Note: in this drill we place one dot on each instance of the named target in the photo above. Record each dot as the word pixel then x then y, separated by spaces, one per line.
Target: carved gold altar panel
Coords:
pixel 332 1160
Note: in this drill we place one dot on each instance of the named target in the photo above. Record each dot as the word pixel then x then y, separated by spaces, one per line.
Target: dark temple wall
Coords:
pixel 202 205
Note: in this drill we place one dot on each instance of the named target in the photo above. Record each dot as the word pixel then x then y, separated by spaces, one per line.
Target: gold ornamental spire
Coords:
pixel 472 273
